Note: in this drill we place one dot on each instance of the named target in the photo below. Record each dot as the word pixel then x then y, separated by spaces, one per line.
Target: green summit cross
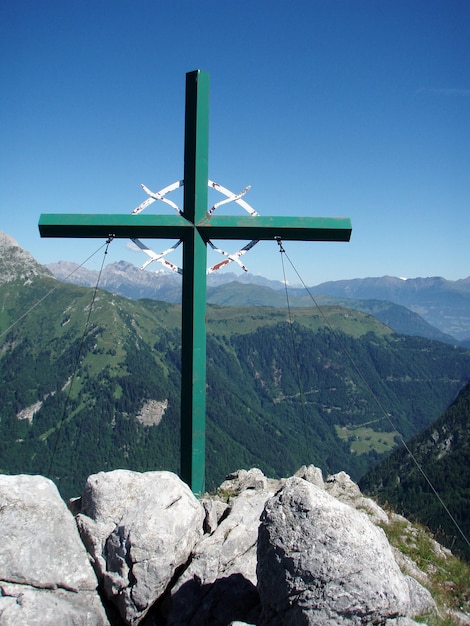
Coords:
pixel 195 226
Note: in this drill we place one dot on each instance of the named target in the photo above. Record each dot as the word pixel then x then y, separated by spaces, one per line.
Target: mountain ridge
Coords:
pixel 432 317
pixel 17 263
pixel 442 303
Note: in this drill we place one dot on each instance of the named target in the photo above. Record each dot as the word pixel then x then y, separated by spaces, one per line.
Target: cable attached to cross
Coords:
pixel 74 373
pixel 51 291
pixel 308 447
pixel 386 415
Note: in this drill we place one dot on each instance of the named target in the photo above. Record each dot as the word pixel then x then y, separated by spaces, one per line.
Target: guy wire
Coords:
pixel 385 413
pixel 49 293
pixel 85 330
pixel 294 348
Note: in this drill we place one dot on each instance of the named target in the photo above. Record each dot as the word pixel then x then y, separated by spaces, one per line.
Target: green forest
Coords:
pixel 280 392
pixel 435 478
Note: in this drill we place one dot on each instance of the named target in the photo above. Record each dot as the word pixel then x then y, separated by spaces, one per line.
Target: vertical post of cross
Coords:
pixel 193 353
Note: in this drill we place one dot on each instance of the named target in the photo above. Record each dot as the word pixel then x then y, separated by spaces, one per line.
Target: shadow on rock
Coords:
pixel 226 600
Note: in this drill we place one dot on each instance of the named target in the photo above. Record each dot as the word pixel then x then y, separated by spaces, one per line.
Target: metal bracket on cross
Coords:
pixel 161 195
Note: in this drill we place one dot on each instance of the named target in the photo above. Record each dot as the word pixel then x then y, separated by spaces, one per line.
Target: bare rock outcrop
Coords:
pixel 324 563
pixel 45 575
pixel 301 550
pixel 139 529
pixel 219 586
pixel 341 486
pixel 16 263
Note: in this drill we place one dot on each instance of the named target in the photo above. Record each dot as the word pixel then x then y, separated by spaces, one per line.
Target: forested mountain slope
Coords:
pixel 442 451
pixel 280 393
pixel 93 383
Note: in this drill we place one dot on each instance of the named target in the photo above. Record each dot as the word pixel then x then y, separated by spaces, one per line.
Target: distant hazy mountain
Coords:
pixel 443 303
pixel 443 453
pixel 128 280
pixel 380 297
pixel 124 279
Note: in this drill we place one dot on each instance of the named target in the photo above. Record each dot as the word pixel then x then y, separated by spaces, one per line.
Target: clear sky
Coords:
pixel 342 108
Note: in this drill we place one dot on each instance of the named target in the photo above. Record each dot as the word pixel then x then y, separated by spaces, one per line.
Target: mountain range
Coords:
pixel 90 381
pixel 427 307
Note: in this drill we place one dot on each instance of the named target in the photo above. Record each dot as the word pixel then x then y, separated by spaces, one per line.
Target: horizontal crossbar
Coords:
pixel 122 226
pixel 126 226
pixel 287 228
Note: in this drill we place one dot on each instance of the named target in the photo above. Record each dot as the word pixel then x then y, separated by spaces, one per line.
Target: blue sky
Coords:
pixel 355 109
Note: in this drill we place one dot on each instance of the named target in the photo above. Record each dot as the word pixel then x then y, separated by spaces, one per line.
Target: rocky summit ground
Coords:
pixel 140 548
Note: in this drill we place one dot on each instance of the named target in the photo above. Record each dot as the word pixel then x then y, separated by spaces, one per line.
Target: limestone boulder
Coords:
pixel 241 480
pixel 219 586
pixel 140 529
pixel 322 562
pixel 45 574
pixel 22 605
pixel 312 475
pixel 342 487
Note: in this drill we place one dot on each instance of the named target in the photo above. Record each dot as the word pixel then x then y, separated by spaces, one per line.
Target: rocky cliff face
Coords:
pixel 141 549
pixel 16 263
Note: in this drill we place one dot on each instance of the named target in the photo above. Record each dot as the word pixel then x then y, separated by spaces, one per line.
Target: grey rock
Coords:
pixel 462 619
pixel 403 621
pixel 214 511
pixel 45 573
pixel 316 557
pixel 139 529
pixel 322 562
pixel 16 263
pixel 409 567
pixel 219 585
pixel 244 479
pixel 312 475
pixel 341 486
pixel 421 600
pixel 21 605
